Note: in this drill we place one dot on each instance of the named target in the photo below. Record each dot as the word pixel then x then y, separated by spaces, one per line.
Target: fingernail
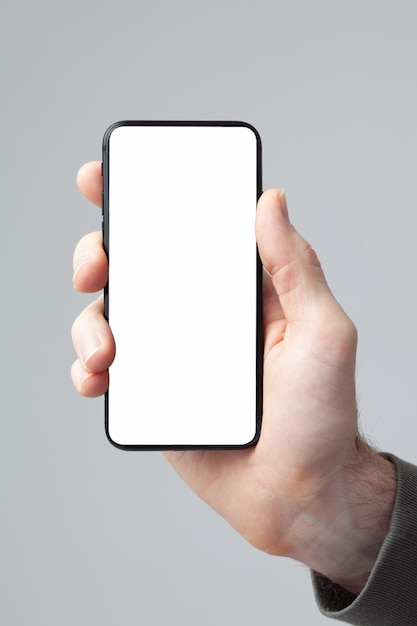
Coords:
pixel 283 201
pixel 89 345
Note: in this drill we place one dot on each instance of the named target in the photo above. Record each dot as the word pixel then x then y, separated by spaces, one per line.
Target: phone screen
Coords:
pixel 184 292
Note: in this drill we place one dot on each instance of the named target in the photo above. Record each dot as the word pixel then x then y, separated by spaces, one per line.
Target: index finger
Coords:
pixel 90 181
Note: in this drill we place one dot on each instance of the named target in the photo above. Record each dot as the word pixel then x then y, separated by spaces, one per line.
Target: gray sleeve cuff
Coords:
pixel 389 598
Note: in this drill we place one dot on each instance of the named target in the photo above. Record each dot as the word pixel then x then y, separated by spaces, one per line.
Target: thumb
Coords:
pixel 296 272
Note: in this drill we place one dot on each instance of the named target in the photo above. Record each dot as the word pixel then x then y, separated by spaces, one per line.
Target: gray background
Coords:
pixel 91 535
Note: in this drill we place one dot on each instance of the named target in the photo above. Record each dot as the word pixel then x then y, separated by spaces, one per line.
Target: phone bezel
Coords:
pixel 259 277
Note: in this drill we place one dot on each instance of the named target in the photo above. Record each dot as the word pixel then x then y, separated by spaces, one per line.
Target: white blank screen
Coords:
pixel 182 285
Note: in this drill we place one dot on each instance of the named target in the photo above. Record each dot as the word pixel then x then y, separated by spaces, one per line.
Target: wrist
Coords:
pixel 340 536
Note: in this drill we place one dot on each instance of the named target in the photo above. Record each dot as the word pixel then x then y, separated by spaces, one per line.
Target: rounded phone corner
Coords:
pixel 113 127
pixel 113 442
pixel 254 440
pixel 253 129
pixel 110 436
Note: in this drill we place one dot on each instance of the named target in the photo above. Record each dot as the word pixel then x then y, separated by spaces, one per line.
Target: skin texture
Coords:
pixel 311 489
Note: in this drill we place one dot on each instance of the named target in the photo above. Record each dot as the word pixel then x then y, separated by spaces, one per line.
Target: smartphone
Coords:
pixel 184 295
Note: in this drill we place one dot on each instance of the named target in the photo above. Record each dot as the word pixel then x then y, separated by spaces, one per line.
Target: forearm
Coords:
pixel 341 536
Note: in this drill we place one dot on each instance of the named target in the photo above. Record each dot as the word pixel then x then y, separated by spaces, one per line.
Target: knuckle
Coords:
pixel 284 277
pixel 311 256
pixel 336 338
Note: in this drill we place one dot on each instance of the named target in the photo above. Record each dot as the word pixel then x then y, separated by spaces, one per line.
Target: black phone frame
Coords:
pixel 105 168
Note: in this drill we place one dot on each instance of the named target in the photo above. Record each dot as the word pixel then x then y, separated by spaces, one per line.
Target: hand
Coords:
pixel 311 489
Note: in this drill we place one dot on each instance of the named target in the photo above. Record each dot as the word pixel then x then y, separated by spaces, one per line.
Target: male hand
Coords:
pixel 311 489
